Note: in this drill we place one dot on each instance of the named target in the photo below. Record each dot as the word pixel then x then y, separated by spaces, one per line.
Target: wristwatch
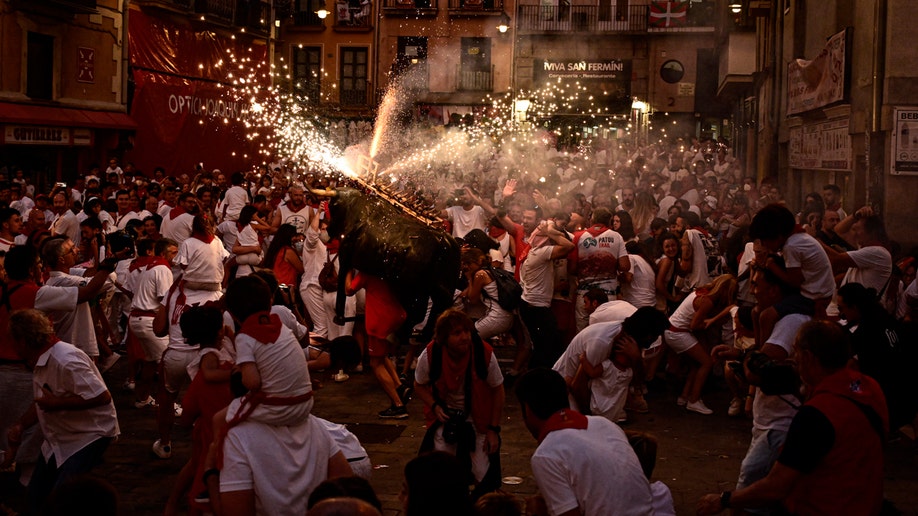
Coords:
pixel 725 499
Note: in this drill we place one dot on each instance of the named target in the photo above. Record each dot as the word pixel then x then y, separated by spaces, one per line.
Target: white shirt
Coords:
pixel 75 324
pixel 178 228
pixel 122 220
pixel 537 276
pixel 67 224
pixel 348 442
pixel 466 220
pixel 151 288
pixel 609 391
pixel 69 371
pixel 873 266
pixel 805 252
pixel 456 399
pixel 773 412
pixel 283 370
pixel 612 311
pixel 229 233
pixel 234 200
pixel 641 290
pixel 203 262
pixel 282 465
pixel 594 469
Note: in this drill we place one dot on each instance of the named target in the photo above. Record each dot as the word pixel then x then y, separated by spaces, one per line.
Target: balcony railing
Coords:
pixel 608 18
pixel 307 19
pixel 470 7
pixel 355 98
pixel 470 80
pixel 410 7
pixel 224 10
pixel 255 16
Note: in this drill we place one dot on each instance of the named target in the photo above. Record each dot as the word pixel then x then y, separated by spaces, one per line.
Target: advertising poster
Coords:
pixel 905 141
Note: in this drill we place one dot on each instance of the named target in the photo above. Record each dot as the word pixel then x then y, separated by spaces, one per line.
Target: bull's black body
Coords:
pixel 416 261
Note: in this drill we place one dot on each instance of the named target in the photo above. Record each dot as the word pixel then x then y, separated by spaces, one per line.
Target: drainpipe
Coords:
pixel 875 156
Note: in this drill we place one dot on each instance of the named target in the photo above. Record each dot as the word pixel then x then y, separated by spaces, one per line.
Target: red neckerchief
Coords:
pixel 494 232
pixel 332 246
pixel 203 238
pixel 564 418
pixel 158 260
pixel 175 212
pixel 799 229
pixel 454 371
pixel 597 229
pixel 139 263
pixel 264 327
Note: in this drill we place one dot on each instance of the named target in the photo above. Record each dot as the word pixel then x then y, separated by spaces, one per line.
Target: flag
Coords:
pixel 668 14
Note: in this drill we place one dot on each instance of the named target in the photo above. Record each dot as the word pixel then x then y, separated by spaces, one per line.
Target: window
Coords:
pixel 305 13
pixel 672 71
pixel 40 74
pixel 354 76
pixel 475 64
pixel 307 73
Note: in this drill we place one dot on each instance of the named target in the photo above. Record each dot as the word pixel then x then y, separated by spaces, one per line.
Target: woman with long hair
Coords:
pixel 644 211
pixel 702 309
pixel 666 283
pixel 693 262
pixel 247 248
pixel 482 292
pixel 284 259
pixel 621 222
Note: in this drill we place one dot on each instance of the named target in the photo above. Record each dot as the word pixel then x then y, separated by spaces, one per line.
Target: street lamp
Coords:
pixel 322 12
pixel 736 8
pixel 504 25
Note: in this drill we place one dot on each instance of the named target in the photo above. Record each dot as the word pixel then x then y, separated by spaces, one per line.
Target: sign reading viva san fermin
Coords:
pixel 606 84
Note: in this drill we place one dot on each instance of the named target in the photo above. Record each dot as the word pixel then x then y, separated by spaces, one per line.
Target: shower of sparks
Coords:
pixel 287 125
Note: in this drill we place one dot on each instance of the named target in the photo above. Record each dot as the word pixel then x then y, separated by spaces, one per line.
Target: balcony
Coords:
pixel 632 19
pixel 354 98
pixel 582 18
pixel 304 19
pixel 56 8
pixel 353 16
pixel 475 7
pixel 217 10
pixel 410 8
pixel 470 80
pixel 254 16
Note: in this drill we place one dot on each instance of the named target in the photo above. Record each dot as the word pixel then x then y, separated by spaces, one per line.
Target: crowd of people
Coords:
pixel 625 266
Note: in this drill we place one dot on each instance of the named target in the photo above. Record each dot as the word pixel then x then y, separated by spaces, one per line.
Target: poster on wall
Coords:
pixel 822 146
pixel 905 141
pixel 821 81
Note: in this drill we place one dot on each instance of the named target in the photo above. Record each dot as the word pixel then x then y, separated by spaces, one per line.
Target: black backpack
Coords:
pixel 509 291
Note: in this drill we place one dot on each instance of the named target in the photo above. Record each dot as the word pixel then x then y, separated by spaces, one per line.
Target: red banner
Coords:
pixel 185 107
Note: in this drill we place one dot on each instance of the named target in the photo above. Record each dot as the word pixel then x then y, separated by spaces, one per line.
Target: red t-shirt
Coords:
pixel 384 314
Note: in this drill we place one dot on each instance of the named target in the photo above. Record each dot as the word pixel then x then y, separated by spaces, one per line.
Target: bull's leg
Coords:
pixel 442 300
pixel 341 296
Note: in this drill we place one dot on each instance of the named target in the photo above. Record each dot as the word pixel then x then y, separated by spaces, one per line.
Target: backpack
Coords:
pixel 509 291
pixel 328 276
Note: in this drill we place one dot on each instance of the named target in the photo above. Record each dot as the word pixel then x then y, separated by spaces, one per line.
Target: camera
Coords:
pixel 774 378
pixel 453 427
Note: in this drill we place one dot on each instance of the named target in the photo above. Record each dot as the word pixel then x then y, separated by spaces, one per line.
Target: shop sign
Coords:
pixel 822 146
pixel 36 135
pixel 905 141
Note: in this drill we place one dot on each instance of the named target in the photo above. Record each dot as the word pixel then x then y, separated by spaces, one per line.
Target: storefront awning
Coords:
pixel 27 114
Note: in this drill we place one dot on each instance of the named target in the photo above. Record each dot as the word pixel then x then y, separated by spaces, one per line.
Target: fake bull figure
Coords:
pixel 417 262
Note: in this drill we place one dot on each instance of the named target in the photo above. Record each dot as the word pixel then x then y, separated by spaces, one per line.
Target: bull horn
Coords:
pixel 323 193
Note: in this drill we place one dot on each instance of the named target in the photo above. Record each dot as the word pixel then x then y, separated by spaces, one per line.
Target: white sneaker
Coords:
pixel 736 407
pixel 162 451
pixel 699 407
pixel 341 376
pixel 680 401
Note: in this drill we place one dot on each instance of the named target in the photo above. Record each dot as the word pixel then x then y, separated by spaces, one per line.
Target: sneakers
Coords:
pixel 637 403
pixel 699 407
pixel 736 407
pixel 163 451
pixel 149 402
pixel 341 376
pixel 680 401
pixel 359 368
pixel 404 392
pixel 394 412
pixel 202 497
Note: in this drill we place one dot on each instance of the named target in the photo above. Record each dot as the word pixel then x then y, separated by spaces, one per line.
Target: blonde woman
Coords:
pixel 704 308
